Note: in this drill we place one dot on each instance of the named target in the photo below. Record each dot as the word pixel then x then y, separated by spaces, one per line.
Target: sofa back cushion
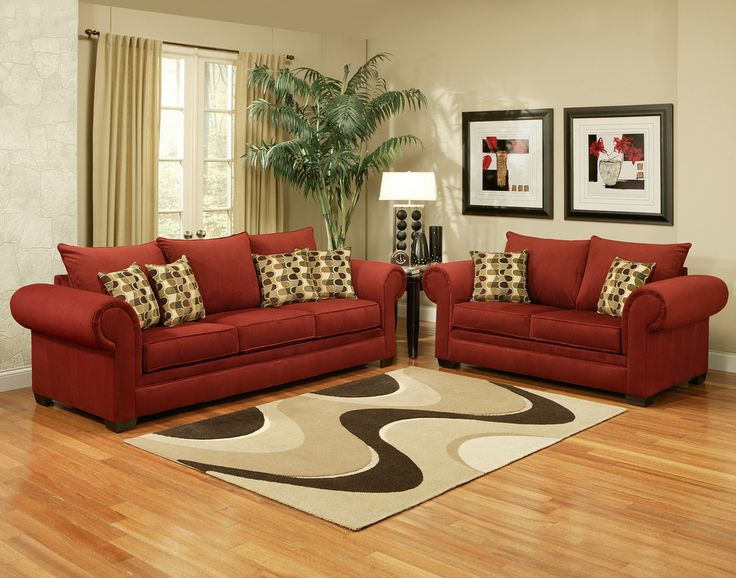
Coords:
pixel 286 242
pixel 555 268
pixel 223 268
pixel 669 259
pixel 84 263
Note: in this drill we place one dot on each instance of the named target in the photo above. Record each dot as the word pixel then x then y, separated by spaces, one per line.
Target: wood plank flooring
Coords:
pixel 649 493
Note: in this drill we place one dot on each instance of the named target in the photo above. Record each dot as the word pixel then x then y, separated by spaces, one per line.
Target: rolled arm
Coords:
pixel 446 285
pixel 449 283
pixel 676 302
pixel 82 317
pixel 381 282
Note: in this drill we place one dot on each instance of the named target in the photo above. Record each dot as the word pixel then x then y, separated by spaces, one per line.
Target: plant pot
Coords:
pixel 609 171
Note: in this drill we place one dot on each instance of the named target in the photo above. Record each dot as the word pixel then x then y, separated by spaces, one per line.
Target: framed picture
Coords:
pixel 507 163
pixel 618 164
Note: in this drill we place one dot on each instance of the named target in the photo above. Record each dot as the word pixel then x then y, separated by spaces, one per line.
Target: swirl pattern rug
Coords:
pixel 357 453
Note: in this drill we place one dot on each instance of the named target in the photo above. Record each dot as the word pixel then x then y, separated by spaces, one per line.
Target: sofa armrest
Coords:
pixel 665 331
pixel 449 283
pixel 676 302
pixel 382 283
pixel 446 285
pixel 82 317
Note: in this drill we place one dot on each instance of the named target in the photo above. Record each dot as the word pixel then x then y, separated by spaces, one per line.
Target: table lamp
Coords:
pixel 398 186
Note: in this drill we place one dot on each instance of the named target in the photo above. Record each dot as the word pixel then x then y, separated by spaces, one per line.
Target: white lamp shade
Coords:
pixel 408 186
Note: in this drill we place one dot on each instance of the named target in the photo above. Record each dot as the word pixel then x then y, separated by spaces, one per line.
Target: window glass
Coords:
pixel 196 157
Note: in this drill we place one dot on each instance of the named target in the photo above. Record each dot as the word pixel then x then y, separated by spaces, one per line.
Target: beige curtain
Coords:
pixel 125 140
pixel 259 198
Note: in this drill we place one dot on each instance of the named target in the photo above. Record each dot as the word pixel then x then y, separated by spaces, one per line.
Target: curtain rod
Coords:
pixel 90 33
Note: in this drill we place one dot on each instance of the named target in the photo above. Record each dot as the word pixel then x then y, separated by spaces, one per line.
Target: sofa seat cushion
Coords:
pixel 189 342
pixel 497 317
pixel 586 329
pixel 336 316
pixel 264 328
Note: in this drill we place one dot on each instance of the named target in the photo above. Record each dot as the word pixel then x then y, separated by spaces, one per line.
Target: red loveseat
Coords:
pixel 89 351
pixel 661 339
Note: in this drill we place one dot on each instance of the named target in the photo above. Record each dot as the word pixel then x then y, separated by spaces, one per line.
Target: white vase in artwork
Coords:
pixel 609 171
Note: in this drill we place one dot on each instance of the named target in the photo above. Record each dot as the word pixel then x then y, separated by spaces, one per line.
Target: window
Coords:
pixel 195 171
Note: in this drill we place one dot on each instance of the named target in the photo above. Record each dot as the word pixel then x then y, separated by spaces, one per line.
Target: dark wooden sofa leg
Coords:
pixel 447 364
pixel 639 401
pixel 43 400
pixel 388 361
pixel 697 380
pixel 120 426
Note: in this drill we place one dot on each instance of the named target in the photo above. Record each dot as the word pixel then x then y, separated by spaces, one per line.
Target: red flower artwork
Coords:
pixel 492 142
pixel 520 146
pixel 596 148
pixel 487 160
pixel 622 145
pixel 634 154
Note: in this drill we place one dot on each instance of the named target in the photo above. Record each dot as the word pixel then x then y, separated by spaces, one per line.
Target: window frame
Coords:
pixel 194 146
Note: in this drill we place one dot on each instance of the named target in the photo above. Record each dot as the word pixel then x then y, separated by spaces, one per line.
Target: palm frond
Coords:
pixel 367 73
pixel 382 157
pixel 330 123
pixel 291 119
pixel 261 77
pixel 287 85
pixel 320 85
pixel 345 114
pixel 392 103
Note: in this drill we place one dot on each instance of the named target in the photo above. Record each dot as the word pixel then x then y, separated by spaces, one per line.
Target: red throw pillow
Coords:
pixel 669 259
pixel 286 242
pixel 83 263
pixel 555 268
pixel 223 268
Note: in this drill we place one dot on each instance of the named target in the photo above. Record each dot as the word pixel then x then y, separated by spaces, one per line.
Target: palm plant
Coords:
pixel 331 124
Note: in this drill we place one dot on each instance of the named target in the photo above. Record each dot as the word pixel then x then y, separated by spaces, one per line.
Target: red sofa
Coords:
pixel 661 340
pixel 90 353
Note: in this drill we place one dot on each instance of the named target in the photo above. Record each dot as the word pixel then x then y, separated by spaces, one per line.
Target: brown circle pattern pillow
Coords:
pixel 623 278
pixel 284 278
pixel 331 273
pixel 131 285
pixel 178 292
pixel 500 277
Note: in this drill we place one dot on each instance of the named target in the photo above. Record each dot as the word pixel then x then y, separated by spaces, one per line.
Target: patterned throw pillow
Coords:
pixel 177 292
pixel 500 277
pixel 284 279
pixel 331 273
pixel 623 277
pixel 131 285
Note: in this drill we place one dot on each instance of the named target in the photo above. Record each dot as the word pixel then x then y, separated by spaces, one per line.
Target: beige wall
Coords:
pixel 706 154
pixel 491 55
pixel 325 52
pixel 38 153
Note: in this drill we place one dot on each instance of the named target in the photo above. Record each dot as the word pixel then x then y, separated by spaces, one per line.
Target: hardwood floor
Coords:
pixel 650 493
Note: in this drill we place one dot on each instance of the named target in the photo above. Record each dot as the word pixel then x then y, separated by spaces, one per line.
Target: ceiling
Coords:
pixel 349 18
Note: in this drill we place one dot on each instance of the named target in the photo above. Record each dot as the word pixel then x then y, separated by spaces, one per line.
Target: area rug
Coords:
pixel 357 453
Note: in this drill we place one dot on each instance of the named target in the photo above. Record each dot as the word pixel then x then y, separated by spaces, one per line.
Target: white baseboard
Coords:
pixel 718 360
pixel 15 378
pixel 722 361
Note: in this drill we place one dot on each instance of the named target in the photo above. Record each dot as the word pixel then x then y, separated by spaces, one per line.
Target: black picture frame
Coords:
pixel 471 205
pixel 658 178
